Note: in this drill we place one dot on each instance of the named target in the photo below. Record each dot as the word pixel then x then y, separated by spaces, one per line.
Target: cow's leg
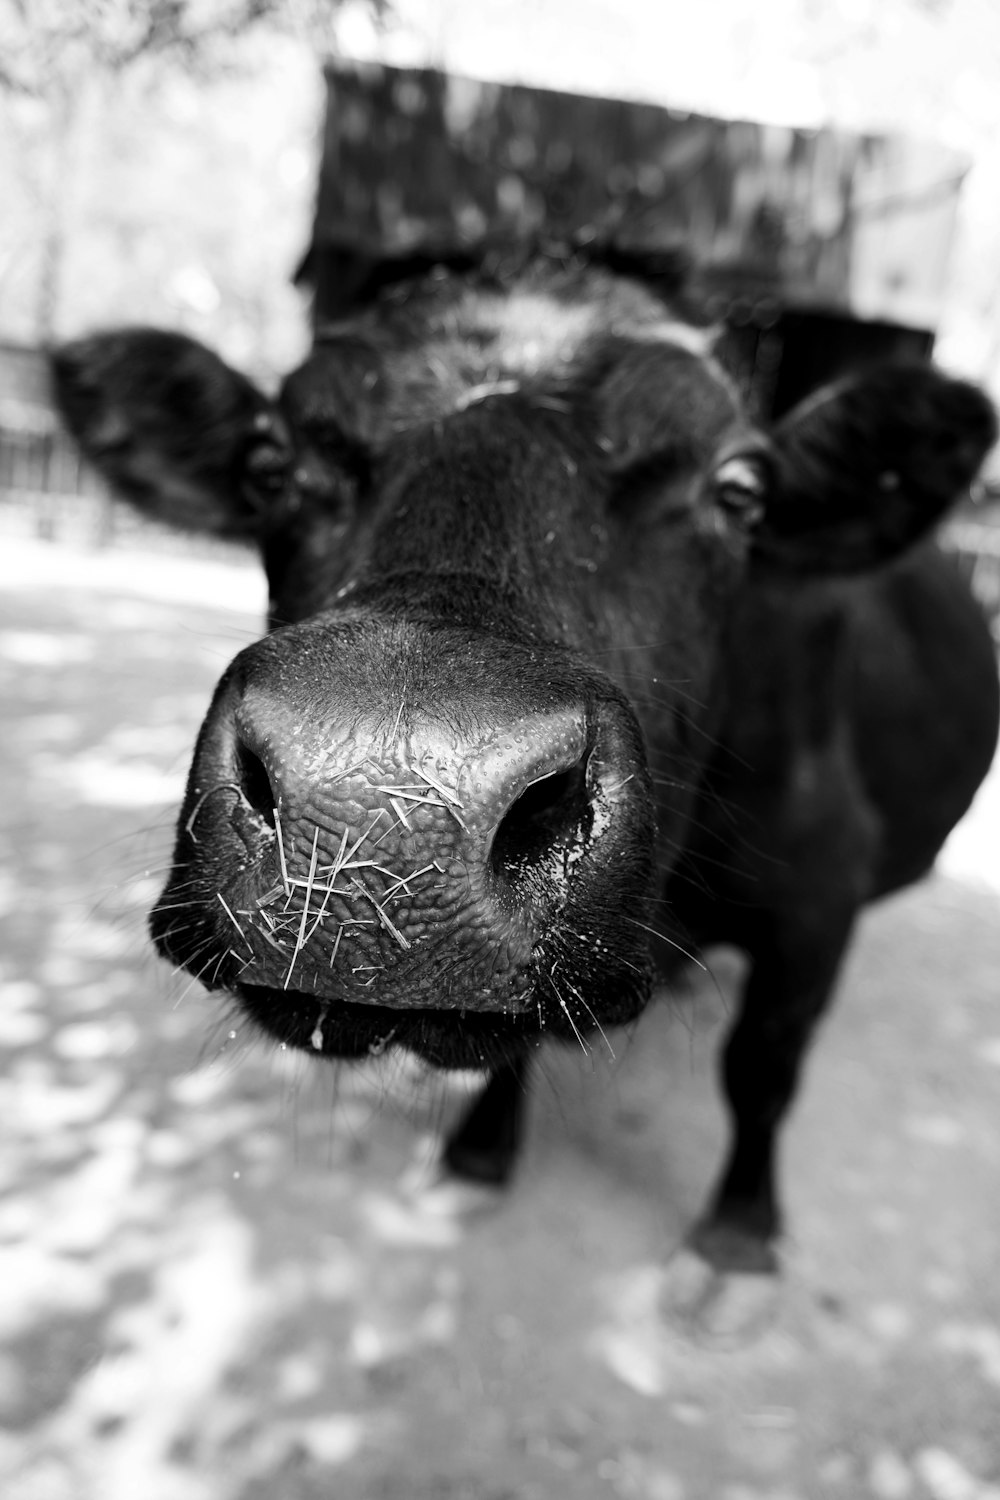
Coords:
pixel 791 980
pixel 788 988
pixel 483 1147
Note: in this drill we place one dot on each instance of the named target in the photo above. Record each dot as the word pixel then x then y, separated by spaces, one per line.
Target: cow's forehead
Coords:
pixel 547 328
pixel 429 351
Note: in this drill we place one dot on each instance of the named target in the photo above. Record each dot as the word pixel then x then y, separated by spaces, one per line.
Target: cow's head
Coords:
pixel 503 527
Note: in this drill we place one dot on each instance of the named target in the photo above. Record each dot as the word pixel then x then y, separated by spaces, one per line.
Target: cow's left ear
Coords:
pixel 171 427
pixel 865 468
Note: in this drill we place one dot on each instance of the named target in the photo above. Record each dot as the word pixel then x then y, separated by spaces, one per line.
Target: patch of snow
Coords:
pixel 396 1222
pixel 224 585
pixel 11 894
pixel 948 1479
pixel 45 648
pixel 21 1030
pixel 889 1321
pixel 38 1105
pixel 936 1130
pixel 86 1041
pixel 332 1439
pixel 162 1381
pixel 39 1284
pixel 972 853
pixel 154 742
pixel 889 1477
pixel 199 1087
pixel 981 1340
pixel 635 1363
pixel 630 1343
pixel 336 1277
pixel 22 994
pixel 107 782
pixel 689 1413
pixel 942 1285
pixel 301 1374
pixel 661 1484
pixel 45 729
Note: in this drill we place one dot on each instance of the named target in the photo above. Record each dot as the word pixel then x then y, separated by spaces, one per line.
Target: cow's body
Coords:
pixel 575 670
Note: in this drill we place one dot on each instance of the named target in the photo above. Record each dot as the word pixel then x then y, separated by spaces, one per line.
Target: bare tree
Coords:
pixel 55 58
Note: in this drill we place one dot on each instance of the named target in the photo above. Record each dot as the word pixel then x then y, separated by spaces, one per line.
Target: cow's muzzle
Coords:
pixel 367 841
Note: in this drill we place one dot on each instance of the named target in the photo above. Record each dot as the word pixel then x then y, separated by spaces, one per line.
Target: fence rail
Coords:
pixel 977 546
pixel 48 491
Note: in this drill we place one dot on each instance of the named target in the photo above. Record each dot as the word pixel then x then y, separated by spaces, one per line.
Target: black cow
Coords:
pixel 571 671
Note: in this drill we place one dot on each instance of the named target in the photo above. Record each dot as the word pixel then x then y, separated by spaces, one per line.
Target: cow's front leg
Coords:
pixel 484 1146
pixel 480 1153
pixel 723 1282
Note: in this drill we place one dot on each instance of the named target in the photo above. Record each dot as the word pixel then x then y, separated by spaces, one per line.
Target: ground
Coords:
pixel 222 1281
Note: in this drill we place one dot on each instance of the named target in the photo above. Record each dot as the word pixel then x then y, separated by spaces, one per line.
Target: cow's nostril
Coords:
pixel 255 783
pixel 552 813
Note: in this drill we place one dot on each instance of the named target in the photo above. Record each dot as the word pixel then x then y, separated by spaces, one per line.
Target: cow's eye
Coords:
pixel 739 486
pixel 266 468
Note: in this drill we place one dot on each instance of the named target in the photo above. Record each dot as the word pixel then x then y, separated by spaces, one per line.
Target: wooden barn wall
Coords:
pixel 826 219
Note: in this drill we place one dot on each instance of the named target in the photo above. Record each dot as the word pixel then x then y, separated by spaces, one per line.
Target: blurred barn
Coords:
pixel 816 249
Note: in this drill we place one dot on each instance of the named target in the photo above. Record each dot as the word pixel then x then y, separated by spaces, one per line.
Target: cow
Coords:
pixel 572 670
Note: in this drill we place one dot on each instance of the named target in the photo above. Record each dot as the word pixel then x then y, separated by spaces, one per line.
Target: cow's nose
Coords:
pixel 412 858
pixel 498 796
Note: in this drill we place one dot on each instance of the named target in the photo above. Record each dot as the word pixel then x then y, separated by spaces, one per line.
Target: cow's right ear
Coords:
pixel 866 467
pixel 167 423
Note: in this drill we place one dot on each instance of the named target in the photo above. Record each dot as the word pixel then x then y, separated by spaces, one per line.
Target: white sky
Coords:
pixel 797 62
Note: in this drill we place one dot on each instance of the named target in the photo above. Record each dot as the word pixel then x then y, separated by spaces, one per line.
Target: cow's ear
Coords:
pixel 865 468
pixel 168 424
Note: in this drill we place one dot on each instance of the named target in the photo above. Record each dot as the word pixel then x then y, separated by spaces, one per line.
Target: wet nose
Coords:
pixel 411 857
pixel 498 799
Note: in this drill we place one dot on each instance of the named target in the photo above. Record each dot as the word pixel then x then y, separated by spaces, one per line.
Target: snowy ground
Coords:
pixel 217 1284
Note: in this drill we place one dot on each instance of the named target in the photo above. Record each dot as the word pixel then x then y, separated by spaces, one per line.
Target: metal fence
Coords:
pixel 977 547
pixel 48 491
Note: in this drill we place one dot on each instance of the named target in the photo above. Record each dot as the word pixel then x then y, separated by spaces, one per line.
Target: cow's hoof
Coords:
pixel 488 1167
pixel 440 1193
pixel 731 1249
pixel 721 1309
